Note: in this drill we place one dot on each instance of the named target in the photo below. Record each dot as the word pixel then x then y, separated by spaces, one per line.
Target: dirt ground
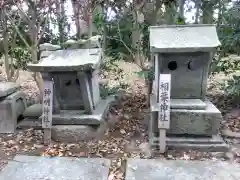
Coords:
pixel 128 138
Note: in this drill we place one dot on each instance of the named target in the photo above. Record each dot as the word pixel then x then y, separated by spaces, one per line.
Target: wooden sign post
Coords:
pixel 164 112
pixel 47 111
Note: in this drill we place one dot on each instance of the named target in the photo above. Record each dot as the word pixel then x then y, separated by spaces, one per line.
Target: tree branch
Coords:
pixel 43 31
pixel 20 34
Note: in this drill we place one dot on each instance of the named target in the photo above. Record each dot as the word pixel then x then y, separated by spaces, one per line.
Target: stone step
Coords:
pixel 44 168
pixel 211 144
pixel 158 169
pixel 64 168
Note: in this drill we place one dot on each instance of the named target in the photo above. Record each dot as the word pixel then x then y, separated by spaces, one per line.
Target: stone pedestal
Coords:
pixel 12 105
pixel 185 52
pixel 194 125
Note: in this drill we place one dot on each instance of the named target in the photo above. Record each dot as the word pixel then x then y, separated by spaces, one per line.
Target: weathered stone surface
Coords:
pixel 49 47
pixel 186 83
pixel 179 104
pixel 7 88
pixel 197 122
pixel 187 104
pixel 57 168
pixel 204 144
pixel 10 109
pixel 72 133
pixel 93 42
pixel 30 123
pixel 69 60
pixel 149 169
pixel 34 111
pixel 183 38
pixel 78 118
pixel 44 54
pixel 187 121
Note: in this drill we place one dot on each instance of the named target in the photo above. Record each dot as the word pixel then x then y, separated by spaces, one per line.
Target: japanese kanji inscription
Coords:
pixel 47 104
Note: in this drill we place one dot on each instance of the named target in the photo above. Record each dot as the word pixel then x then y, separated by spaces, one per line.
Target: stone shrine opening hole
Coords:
pixel 190 65
pixel 172 65
pixel 68 83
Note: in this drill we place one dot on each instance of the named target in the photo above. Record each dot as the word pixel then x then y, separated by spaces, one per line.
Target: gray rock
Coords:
pixel 34 111
pixel 57 168
pixel 146 169
pixel 7 88
pixel 45 54
pixel 49 47
pixel 72 133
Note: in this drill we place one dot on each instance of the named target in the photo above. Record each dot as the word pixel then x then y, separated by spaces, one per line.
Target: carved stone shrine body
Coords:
pixel 185 52
pixel 76 100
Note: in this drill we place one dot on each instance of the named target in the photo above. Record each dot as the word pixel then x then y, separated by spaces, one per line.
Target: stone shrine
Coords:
pixel 185 52
pixel 77 105
pixel 12 105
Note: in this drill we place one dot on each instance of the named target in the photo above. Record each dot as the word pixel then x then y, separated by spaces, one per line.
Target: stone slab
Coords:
pixel 95 118
pixel 204 144
pixel 72 133
pixel 7 88
pixel 187 104
pixel 74 118
pixel 57 168
pixel 30 123
pixel 183 38
pixel 154 169
pixel 69 60
pixel 49 47
pixel 196 104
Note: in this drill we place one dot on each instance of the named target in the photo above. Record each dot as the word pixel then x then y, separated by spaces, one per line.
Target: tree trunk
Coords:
pixel 76 13
pixel 136 39
pixel 5 45
pixel 181 8
pixel 34 47
pixel 197 6
pixel 170 12
pixel 61 19
pixel 207 9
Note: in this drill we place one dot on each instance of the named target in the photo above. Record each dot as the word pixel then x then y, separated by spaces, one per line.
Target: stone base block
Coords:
pixel 72 133
pixel 190 121
pixel 11 107
pixel 206 144
pixel 197 122
pixel 68 117
pixel 77 118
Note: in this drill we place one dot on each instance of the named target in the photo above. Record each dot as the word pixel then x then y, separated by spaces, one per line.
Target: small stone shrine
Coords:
pixel 185 52
pixel 12 105
pixel 77 106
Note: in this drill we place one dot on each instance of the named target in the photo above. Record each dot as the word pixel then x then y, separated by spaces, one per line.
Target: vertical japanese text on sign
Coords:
pixel 164 100
pixel 47 104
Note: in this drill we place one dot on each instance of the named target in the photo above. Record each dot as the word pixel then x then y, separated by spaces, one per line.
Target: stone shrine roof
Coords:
pixel 69 60
pixel 7 88
pixel 183 38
